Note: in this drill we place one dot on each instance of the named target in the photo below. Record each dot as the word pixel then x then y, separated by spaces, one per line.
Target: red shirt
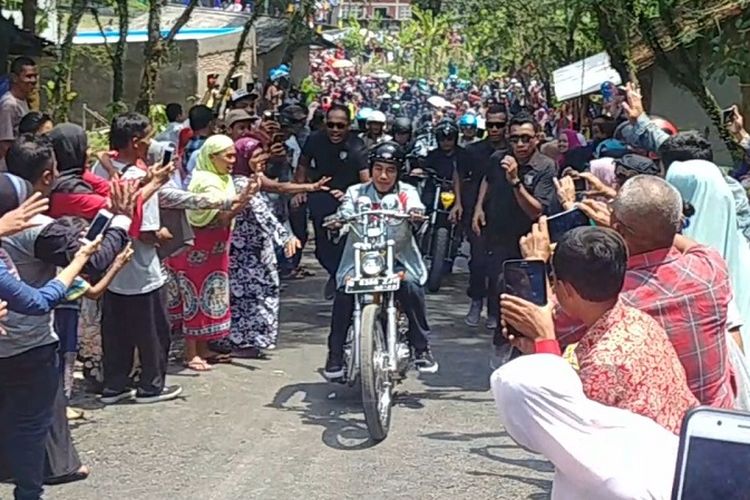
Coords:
pixel 687 294
pixel 626 360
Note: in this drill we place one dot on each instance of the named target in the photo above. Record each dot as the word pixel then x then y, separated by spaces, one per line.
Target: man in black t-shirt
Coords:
pixel 516 190
pixel 335 153
pixel 480 154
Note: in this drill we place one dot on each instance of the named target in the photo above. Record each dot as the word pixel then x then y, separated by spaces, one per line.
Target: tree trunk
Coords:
pixel 237 58
pixel 118 57
pixel 155 51
pixel 152 52
pixel 745 104
pixel 28 12
pixel 61 97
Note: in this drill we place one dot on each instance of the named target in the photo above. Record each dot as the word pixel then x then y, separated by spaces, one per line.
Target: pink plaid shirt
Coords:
pixel 687 294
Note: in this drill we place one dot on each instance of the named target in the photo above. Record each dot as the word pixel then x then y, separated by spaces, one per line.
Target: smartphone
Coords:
pixel 526 279
pixel 277 138
pixel 727 115
pixel 714 456
pixel 271 115
pixel 561 223
pixel 98 225
pixel 167 155
pixel 580 185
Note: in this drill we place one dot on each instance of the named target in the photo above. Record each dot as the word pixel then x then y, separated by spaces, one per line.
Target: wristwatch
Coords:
pixel 517 184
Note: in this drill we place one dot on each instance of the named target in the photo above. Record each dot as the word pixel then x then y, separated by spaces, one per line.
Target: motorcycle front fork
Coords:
pixel 392 316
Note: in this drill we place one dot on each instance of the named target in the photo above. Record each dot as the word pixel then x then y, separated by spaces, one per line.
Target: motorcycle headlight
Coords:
pixel 372 263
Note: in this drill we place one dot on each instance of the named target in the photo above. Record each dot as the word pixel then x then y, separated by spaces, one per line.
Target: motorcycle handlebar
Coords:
pixel 332 222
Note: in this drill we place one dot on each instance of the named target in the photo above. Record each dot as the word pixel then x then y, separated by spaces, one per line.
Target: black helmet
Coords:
pixel 388 152
pixel 401 124
pixel 446 128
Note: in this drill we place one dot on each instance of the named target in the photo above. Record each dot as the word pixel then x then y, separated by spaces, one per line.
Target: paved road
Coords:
pixel 276 430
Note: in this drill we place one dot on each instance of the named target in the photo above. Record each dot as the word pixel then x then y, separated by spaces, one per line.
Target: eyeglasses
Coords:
pixel 524 139
pixel 336 125
pixel 496 124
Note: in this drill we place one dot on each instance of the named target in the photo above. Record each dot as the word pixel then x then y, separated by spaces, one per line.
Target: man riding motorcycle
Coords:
pixel 375 133
pixel 386 162
pixel 468 125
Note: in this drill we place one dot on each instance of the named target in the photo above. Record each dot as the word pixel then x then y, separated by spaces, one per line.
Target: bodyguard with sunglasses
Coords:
pixel 480 154
pixel 336 153
pixel 517 189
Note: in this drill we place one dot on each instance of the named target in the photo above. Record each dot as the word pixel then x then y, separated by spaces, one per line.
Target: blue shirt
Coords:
pixel 25 299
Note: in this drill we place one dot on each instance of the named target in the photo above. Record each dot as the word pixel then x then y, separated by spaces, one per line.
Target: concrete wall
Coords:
pixel 215 55
pixel 678 106
pixel 92 76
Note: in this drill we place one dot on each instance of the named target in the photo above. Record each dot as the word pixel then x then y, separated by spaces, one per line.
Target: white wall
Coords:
pixel 678 106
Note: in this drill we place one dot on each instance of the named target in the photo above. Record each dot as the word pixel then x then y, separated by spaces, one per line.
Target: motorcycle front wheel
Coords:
pixel 437 266
pixel 376 389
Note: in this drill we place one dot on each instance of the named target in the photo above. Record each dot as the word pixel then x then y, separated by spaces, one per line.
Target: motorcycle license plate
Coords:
pixel 369 285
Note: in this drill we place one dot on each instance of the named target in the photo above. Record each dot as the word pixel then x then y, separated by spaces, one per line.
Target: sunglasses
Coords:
pixel 336 125
pixel 495 124
pixel 524 139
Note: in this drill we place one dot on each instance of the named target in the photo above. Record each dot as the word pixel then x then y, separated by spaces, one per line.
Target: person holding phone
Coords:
pixel 517 189
pixel 625 358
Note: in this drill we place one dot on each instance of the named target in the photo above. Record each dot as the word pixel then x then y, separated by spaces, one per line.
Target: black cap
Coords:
pixel 637 165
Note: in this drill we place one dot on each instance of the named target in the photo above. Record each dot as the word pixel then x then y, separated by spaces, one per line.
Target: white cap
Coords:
pixel 376 117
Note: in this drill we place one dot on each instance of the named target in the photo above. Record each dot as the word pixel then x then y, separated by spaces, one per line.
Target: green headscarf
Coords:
pixel 207 180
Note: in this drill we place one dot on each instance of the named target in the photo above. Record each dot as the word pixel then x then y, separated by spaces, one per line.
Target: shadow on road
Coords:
pixel 526 463
pixel 336 408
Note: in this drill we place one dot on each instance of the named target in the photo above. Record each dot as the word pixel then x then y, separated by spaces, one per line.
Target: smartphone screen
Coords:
pixel 727 115
pixel 560 224
pixel 98 225
pixel 167 156
pixel 580 185
pixel 526 279
pixel 714 456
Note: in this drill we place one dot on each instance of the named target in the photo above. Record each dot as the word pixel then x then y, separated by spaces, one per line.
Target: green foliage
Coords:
pixel 98 140
pixel 115 108
pixel 157 113
pixel 354 41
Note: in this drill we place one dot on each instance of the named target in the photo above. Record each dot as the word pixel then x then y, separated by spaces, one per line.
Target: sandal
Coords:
pixel 249 353
pixel 198 365
pixel 219 359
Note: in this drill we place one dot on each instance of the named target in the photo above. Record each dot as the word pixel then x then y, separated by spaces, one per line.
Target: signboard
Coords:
pixel 584 77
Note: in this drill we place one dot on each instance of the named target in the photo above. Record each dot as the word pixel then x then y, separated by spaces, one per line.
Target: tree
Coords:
pixel 60 95
pixel 675 33
pixel 727 51
pixel 237 59
pixel 28 15
pixel 156 48
pixel 116 56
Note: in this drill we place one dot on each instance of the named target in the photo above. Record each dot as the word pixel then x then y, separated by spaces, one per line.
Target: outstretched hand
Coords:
pixel 19 219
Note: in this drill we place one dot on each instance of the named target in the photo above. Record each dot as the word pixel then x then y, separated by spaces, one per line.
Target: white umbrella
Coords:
pixel 380 74
pixel 342 64
pixel 438 102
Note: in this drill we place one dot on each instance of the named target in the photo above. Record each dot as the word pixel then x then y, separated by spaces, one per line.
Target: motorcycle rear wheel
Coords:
pixel 376 389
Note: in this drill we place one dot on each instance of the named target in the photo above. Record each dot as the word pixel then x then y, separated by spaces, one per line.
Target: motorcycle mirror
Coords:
pixel 390 202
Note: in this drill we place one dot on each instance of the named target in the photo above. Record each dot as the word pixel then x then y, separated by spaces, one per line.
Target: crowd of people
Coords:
pixel 647 315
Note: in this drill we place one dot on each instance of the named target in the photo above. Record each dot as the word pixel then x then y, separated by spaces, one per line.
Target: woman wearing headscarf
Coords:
pixel 202 271
pixel 568 140
pixel 714 224
pixel 253 269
